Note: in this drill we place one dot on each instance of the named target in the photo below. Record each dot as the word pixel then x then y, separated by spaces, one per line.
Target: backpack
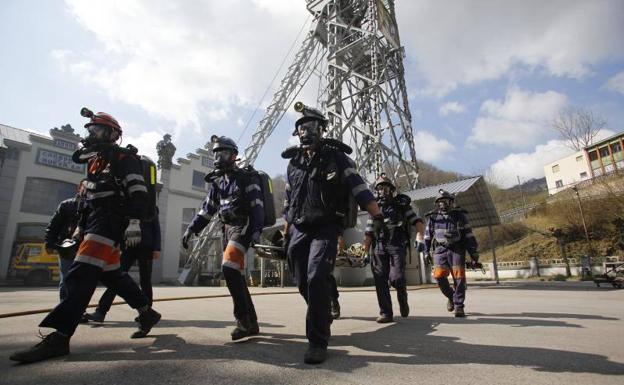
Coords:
pixel 148 171
pixel 347 208
pixel 266 189
pixel 266 193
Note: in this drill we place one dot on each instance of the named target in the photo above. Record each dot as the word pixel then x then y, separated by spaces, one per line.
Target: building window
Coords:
pixel 593 159
pixel 555 168
pixel 207 161
pixel 198 179
pixel 616 150
pixel 558 183
pixel 604 155
pixel 579 158
pixel 30 232
pixel 187 217
pixel 42 196
pixel 583 175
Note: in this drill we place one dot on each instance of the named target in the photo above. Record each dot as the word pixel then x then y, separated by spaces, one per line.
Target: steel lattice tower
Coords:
pixel 353 46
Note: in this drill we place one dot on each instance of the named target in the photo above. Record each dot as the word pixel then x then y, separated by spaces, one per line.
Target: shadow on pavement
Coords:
pixel 539 285
pixel 170 323
pixel 409 342
pixel 549 315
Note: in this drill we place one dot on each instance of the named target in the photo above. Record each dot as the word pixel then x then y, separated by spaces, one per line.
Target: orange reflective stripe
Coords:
pixel 459 272
pixel 234 257
pixel 440 272
pixel 90 249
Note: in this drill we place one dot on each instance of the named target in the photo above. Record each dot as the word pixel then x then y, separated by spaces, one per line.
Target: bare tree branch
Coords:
pixel 578 127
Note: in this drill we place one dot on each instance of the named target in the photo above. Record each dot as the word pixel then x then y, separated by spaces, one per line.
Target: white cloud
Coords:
pixel 530 165
pixel 616 83
pixel 451 43
pixel 527 165
pixel 522 119
pixel 146 143
pixel 185 62
pixel 429 148
pixel 451 108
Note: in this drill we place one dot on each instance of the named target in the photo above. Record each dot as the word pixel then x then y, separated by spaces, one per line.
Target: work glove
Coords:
pixel 474 265
pixel 366 259
pixel 133 233
pixel 186 238
pixel 475 256
pixel 428 259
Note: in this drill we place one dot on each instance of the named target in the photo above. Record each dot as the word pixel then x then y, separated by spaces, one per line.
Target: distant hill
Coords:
pixel 532 186
pixel 429 175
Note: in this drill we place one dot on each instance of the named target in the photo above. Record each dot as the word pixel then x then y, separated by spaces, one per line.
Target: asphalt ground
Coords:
pixel 515 333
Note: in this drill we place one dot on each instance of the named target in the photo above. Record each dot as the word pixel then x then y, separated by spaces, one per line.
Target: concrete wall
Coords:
pixel 526 272
pixel 178 193
pixel 27 167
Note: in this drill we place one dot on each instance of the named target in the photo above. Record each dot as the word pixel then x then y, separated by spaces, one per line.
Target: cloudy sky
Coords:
pixel 485 78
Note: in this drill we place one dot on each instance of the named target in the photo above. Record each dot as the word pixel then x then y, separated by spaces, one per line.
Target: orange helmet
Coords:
pixel 105 119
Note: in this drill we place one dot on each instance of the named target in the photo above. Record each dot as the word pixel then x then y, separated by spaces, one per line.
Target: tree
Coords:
pixel 578 126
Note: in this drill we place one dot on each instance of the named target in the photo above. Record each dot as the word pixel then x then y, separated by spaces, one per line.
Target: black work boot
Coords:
pixel 459 312
pixel 384 319
pixel 335 308
pixel 450 306
pixel 315 356
pixel 254 329
pixel 242 330
pixel 404 309
pixel 95 316
pixel 147 320
pixel 53 345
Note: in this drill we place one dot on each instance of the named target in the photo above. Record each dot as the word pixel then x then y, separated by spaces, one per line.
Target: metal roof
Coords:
pixel 16 135
pixel 471 194
pixel 603 141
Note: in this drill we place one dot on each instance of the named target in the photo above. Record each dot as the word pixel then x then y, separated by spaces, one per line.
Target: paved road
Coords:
pixel 516 333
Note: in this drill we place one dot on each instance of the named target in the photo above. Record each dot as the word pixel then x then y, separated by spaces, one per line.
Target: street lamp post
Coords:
pixel 580 205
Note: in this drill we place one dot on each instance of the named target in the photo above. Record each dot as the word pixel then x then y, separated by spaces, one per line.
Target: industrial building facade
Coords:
pixel 37 173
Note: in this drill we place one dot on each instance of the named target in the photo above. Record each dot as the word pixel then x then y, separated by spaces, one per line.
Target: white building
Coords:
pixel 567 171
pixel 182 190
pixel 37 173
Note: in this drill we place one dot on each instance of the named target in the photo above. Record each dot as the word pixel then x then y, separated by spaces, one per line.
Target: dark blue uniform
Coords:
pixel 61 227
pixel 237 198
pixel 115 190
pixel 141 254
pixel 448 236
pixel 389 249
pixel 316 189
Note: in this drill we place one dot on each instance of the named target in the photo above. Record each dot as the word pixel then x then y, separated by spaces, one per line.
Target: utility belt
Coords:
pixel 232 218
pixel 447 245
pixel 319 217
